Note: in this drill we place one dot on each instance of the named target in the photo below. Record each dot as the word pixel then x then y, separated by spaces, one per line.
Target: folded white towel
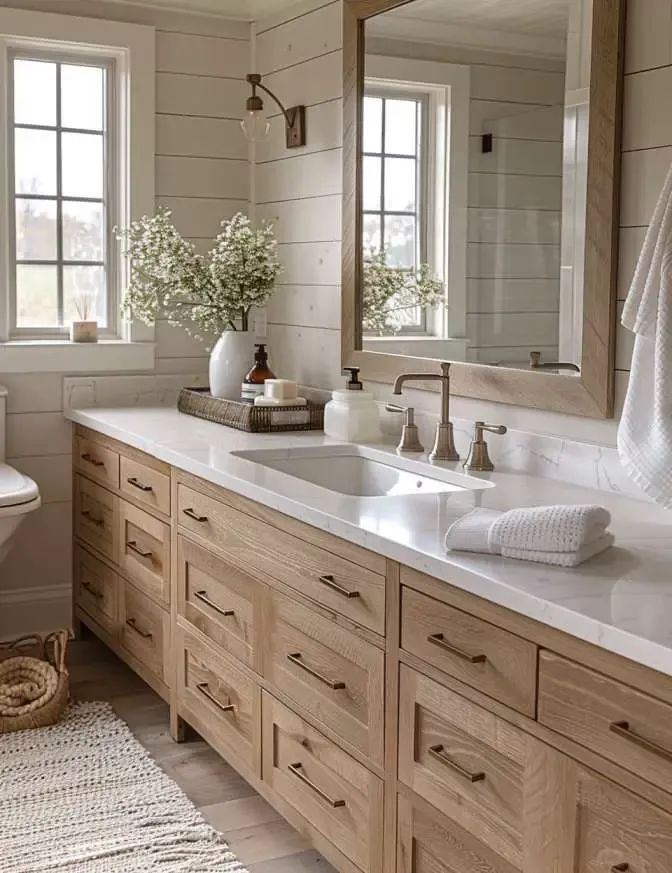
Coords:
pixel 645 429
pixel 550 528
pixel 564 536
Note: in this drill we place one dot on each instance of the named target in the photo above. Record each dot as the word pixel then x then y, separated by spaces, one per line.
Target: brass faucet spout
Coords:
pixel 444 448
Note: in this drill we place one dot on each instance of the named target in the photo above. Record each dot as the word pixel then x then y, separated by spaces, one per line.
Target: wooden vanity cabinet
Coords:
pixel 401 724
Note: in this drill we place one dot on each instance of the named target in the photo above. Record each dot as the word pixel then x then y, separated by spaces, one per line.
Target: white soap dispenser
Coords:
pixel 352 414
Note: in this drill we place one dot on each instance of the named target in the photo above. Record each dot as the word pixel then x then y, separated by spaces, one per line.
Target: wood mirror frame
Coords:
pixel 590 393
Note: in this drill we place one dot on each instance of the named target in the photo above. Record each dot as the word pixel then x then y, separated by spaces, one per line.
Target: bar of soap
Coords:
pixel 280 389
pixel 277 401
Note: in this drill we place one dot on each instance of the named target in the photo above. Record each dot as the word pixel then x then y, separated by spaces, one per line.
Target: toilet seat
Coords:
pixel 16 490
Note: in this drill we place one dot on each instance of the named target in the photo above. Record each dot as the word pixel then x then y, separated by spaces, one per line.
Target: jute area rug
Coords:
pixel 84 796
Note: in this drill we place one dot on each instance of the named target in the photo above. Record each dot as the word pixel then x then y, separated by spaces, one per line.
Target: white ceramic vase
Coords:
pixel 230 360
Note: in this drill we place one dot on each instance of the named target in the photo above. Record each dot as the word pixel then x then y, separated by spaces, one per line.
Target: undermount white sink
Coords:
pixel 361 471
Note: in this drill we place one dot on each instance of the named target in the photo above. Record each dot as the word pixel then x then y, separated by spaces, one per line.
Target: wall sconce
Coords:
pixel 256 127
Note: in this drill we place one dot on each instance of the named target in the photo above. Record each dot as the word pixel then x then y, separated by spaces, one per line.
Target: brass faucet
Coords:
pixel 444 444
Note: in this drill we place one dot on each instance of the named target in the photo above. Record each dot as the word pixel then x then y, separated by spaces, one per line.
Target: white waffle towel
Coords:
pixel 645 430
pixel 564 536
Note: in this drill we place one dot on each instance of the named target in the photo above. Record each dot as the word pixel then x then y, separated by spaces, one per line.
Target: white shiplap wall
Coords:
pixel 202 174
pixel 302 52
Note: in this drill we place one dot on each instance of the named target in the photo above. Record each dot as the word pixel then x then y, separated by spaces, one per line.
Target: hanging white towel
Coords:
pixel 645 430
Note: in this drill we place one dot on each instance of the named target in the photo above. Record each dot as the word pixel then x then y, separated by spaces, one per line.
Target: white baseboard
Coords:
pixel 35 610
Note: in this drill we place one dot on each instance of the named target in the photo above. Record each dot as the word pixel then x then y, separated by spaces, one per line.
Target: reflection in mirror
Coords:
pixel 474 141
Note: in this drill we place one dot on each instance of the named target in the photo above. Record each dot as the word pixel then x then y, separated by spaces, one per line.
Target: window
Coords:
pixel 394 184
pixel 62 172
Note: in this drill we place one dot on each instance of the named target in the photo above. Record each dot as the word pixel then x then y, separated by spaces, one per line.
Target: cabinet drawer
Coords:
pixel 473 766
pixel 144 484
pixel 430 843
pixel 479 654
pixel 216 698
pixel 330 671
pixel 145 630
pixel 617 831
pixel 335 793
pixel 96 461
pixel 96 517
pixel 144 551
pixel 96 590
pixel 624 725
pixel 334 582
pixel 221 601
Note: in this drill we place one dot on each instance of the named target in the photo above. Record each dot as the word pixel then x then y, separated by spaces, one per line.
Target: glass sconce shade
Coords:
pixel 255 126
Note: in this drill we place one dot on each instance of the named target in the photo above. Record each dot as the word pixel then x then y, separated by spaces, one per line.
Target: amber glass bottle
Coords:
pixel 253 384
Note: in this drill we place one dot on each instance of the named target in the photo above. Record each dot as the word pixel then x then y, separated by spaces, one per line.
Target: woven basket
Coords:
pixel 34 690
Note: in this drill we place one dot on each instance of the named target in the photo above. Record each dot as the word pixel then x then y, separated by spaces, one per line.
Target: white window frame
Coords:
pixel 448 88
pixel 132 47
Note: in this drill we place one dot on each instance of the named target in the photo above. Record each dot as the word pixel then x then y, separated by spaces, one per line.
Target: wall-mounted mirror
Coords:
pixel 481 166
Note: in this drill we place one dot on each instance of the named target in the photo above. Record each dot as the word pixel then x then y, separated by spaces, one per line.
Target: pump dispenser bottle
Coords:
pixel 352 414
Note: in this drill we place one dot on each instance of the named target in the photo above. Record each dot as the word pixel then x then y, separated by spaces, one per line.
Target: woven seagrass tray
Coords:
pixel 245 416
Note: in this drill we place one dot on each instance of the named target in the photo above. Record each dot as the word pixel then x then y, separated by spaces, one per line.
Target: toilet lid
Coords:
pixel 15 488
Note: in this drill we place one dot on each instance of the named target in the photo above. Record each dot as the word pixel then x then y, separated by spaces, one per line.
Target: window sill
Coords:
pixel 63 356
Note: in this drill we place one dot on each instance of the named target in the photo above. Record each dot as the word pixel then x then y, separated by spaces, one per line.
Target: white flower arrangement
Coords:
pixel 390 291
pixel 206 295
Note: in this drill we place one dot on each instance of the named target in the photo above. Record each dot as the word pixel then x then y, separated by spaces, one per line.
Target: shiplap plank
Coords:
pixel 642 177
pixel 648 35
pixel 515 192
pixel 631 240
pixel 314 81
pixel 625 341
pixel 517 86
pixel 325 122
pixel 511 120
pixel 644 125
pixel 514 355
pixel 317 219
pixel 512 261
pixel 202 55
pixel 33 392
pixel 306 306
pixel 211 97
pixel 200 137
pixel 528 157
pixel 52 473
pixel 310 263
pixel 513 226
pixel 42 550
pixel 310 355
pixel 313 175
pixel 202 177
pixel 38 433
pixel 301 38
pixel 174 342
pixel 509 329
pixel 201 218
pixel 512 295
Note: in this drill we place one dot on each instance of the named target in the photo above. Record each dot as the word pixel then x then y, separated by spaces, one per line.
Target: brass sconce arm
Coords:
pixel 295 116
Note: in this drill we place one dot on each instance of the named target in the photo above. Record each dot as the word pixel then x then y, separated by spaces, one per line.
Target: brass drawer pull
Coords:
pixel 146 635
pixel 295 658
pixel 203 595
pixel 204 688
pixel 440 641
pixel 330 582
pixel 620 868
pixel 623 729
pixel 137 484
pixel 191 514
pixel 87 586
pixel 297 770
pixel 134 547
pixel 87 514
pixel 91 460
pixel 438 753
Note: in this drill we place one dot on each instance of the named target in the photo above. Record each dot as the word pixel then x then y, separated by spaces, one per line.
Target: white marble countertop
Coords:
pixel 620 600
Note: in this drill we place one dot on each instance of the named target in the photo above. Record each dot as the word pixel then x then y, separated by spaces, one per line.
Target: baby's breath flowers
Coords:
pixel 390 291
pixel 204 294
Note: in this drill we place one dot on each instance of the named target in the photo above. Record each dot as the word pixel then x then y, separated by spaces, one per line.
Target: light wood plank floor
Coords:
pixel 262 840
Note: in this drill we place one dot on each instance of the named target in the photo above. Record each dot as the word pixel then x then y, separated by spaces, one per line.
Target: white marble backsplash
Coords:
pixel 550 457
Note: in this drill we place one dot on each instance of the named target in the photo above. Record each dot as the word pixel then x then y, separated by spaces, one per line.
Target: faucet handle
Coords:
pixel 410 441
pixel 479 459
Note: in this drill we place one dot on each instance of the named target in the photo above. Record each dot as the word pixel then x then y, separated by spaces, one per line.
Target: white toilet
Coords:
pixel 19 495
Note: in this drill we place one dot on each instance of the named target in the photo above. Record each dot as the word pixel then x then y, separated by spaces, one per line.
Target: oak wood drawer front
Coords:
pixel 96 590
pixel 144 551
pixel 144 484
pixel 473 766
pixel 429 843
pixel 477 653
pixel 626 726
pixel 220 600
pixel 216 698
pixel 334 582
pixel 335 793
pixel 145 630
pixel 96 461
pixel 96 517
pixel 617 831
pixel 333 673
